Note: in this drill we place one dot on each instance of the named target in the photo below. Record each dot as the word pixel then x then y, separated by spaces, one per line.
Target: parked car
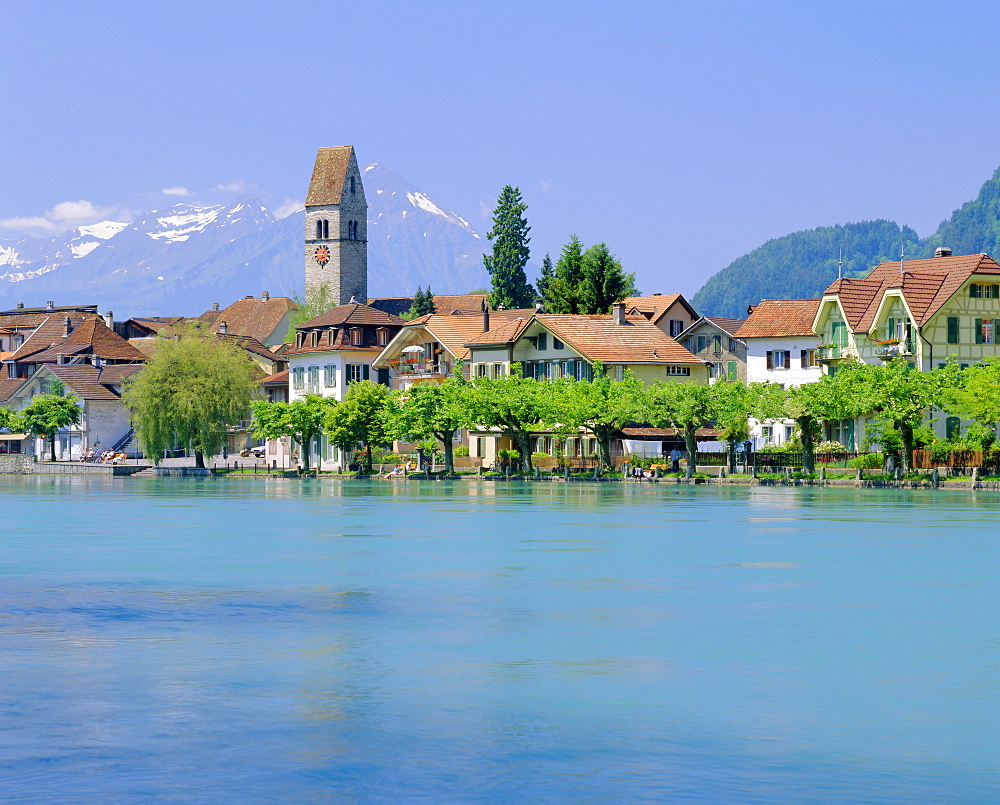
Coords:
pixel 258 451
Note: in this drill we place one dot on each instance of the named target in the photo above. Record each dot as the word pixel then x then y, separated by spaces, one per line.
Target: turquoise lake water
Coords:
pixel 197 640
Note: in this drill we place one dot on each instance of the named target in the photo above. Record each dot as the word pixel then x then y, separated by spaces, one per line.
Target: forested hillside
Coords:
pixel 801 265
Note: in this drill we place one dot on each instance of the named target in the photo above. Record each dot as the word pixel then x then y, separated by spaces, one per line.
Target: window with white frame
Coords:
pixel 680 371
pixel 767 434
pixel 498 370
pixel 314 380
pixel 381 336
pixel 356 372
pixel 356 336
pixel 298 377
pixel 329 375
pixel 676 327
pixel 482 370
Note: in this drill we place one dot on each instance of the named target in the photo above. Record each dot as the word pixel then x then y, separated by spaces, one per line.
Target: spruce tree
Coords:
pixel 428 306
pixel 509 236
pixel 545 279
pixel 562 292
pixel 602 281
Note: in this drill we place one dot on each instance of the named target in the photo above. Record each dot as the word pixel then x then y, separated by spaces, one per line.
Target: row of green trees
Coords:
pixel 582 280
pixel 896 396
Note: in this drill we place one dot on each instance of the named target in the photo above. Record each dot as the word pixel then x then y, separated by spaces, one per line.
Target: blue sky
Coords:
pixel 681 134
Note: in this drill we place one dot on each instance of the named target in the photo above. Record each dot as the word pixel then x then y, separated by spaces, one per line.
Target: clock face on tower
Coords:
pixel 322 255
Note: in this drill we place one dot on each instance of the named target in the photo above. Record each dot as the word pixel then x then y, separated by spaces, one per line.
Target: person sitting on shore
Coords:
pixel 395 472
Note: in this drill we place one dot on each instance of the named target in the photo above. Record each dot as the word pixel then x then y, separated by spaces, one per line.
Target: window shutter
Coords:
pixel 804 359
pixel 953 329
pixel 972 290
pixel 383 377
pixel 732 370
pixel 365 371
pixel 770 360
pixel 892 327
pixel 996 331
pixel 979 331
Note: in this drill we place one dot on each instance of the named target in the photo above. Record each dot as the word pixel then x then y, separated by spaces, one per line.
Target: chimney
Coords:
pixel 50 305
pixel 67 324
pixel 60 358
pixel 215 305
pixel 109 320
pixel 618 311
pixel 223 328
pixel 942 251
pixel 486 317
pixel 265 296
pixel 539 306
pixel 20 305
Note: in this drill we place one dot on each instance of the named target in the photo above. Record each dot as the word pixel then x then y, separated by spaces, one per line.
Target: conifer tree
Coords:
pixel 561 292
pixel 545 279
pixel 509 236
pixel 602 281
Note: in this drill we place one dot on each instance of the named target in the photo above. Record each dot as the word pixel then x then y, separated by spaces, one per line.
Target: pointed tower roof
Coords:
pixel 329 175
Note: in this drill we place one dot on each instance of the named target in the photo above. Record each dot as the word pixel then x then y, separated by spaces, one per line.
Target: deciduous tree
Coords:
pixel 359 419
pixel 429 410
pixel 686 406
pixel 302 420
pixel 188 392
pixel 601 406
pixel 46 414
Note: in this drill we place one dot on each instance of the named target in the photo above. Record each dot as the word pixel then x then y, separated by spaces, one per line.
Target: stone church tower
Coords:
pixel 337 228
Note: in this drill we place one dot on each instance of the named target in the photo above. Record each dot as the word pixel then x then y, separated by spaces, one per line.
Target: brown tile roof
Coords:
pixel 249 344
pixel 84 381
pixel 777 318
pixel 116 373
pixel 731 326
pixel 351 313
pixel 500 332
pixel 653 307
pixel 660 433
pixel 329 173
pixel 454 332
pixel 48 333
pixel 598 338
pixel 443 303
pixel 925 284
pixel 103 341
pixel 277 379
pixel 8 385
pixel 257 318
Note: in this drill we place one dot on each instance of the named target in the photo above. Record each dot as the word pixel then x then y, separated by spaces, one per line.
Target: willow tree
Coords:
pixel 189 391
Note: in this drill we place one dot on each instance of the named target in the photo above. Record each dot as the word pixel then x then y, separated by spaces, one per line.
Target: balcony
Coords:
pixel 902 349
pixel 421 368
pixel 827 353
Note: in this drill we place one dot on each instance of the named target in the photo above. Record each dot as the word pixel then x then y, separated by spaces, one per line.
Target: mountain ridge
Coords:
pixel 178 260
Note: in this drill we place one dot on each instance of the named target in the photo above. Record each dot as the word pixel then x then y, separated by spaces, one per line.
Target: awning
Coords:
pixel 414 348
pixel 14 437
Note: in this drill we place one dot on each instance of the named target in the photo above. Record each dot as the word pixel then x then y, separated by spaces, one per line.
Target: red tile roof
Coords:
pixel 351 313
pixel 653 307
pixel 778 318
pixel 925 285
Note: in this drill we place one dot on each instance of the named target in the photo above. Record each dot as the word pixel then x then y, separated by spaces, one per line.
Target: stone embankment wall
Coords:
pixel 17 465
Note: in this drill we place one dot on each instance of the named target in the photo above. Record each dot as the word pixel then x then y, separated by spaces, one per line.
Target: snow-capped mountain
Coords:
pixel 179 260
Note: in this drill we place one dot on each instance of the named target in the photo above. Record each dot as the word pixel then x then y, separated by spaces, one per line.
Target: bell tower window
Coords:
pixel 319 230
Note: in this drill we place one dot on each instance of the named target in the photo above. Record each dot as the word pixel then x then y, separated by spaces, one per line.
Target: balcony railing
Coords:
pixel 830 353
pixel 408 369
pixel 889 351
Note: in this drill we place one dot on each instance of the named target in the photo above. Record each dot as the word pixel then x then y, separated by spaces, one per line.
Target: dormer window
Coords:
pixel 329 336
pixel 381 336
pixel 356 336
pixel 300 340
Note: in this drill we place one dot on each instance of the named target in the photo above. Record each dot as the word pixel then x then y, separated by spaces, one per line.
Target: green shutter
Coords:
pixel 892 327
pixel 996 331
pixel 972 290
pixel 953 329
pixel 979 331
pixel 731 366
pixel 365 371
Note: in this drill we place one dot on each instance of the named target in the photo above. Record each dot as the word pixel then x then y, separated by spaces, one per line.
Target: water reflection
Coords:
pixel 302 640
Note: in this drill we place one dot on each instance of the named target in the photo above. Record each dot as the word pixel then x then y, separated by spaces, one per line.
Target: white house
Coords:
pixel 781 348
